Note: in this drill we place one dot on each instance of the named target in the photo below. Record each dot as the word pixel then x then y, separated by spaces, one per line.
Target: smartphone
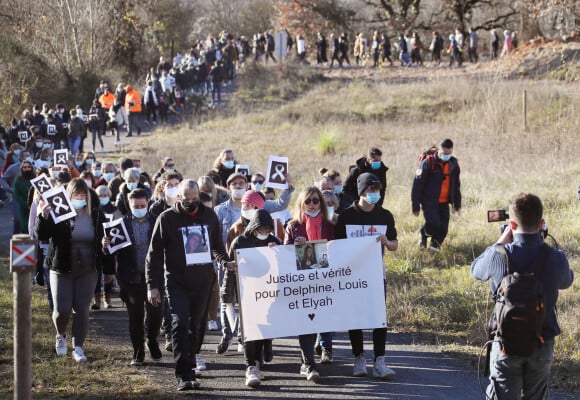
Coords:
pixel 497 215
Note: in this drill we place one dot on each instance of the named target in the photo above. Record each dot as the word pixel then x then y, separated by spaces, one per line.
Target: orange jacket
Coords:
pixel 133 97
pixel 107 101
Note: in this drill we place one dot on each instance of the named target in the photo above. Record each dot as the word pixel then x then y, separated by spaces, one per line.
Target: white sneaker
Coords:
pixel 212 325
pixel 252 377
pixel 360 366
pixel 240 348
pixel 200 363
pixel 79 355
pixel 61 348
pixel 380 370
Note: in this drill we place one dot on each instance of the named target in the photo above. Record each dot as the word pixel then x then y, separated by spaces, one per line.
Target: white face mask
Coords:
pixel 238 193
pixel 261 236
pixel 172 192
pixel 248 214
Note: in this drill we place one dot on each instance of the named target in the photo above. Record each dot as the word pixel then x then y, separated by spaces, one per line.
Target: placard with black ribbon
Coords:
pixel 277 170
pixel 62 208
pixel 41 183
pixel 117 232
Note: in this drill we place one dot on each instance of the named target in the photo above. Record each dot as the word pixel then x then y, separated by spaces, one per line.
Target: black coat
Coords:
pixel 58 257
pixel 350 186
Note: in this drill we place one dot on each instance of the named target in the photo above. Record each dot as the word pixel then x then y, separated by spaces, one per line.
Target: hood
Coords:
pixel 260 218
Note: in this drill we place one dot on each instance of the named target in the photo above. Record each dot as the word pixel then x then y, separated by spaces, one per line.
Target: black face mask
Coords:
pixel 190 205
pixel 28 175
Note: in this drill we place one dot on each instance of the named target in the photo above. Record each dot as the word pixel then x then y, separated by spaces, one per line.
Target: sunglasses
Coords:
pixel 314 200
pixel 260 182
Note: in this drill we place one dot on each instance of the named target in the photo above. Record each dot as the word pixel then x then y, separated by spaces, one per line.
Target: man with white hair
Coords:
pixel 188 276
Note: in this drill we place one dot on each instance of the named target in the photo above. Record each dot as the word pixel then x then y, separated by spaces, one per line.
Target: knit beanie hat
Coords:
pixel 254 198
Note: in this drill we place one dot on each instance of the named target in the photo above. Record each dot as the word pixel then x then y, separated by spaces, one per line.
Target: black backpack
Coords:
pixel 519 313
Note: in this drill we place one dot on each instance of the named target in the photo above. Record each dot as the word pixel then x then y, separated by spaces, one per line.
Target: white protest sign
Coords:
pixel 22 136
pixel 60 157
pixel 276 174
pixel 243 169
pixel 278 300
pixel 60 203
pixel 357 231
pixel 117 231
pixel 41 183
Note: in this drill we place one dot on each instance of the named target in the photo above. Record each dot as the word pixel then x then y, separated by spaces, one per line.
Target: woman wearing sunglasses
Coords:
pixel 310 222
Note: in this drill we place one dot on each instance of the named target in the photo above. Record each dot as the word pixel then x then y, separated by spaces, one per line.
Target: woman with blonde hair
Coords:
pixel 217 193
pixel 310 222
pixel 74 257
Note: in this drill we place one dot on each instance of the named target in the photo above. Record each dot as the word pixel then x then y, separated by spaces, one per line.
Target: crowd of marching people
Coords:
pixel 160 293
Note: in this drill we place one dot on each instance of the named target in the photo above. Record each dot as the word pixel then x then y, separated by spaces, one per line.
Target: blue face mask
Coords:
pixel 338 189
pixel 104 201
pixel 258 186
pixel 132 185
pixel 139 212
pixel 373 197
pixel 109 176
pixel 445 157
pixel 229 164
pixel 89 161
pixel 78 163
pixel 29 159
pixel 16 152
pixel 78 204
pixel 312 214
pixel 54 174
pixel 330 212
pixel 98 173
pixel 375 165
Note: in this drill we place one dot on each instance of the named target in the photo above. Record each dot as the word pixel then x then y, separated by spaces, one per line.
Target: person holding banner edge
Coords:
pixel 310 222
pixel 258 233
pixel 367 217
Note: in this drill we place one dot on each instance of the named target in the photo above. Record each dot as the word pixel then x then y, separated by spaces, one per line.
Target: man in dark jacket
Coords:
pixel 435 187
pixel 517 376
pixel 188 276
pixel 366 217
pixel 371 163
pixel 131 276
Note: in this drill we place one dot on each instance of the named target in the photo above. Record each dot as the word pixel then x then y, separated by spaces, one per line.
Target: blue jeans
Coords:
pixel 325 340
pixel 73 144
pixel 513 377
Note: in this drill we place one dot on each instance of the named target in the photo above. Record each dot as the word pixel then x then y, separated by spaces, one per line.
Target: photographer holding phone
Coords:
pixel 518 376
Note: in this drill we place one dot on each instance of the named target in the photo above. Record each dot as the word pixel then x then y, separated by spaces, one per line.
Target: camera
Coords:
pixel 502 215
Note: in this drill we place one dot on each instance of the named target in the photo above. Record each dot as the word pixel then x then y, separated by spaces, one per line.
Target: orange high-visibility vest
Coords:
pixel 135 97
pixel 107 101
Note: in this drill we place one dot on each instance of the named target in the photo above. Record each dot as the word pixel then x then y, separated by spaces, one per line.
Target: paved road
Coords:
pixel 422 371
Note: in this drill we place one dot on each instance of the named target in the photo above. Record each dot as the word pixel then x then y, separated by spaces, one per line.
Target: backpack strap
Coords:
pixel 539 263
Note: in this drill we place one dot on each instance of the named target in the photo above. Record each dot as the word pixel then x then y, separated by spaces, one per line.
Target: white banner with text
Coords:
pixel 280 298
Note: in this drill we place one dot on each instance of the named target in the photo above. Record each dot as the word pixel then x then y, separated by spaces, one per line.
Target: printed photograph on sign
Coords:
pixel 51 129
pixel 60 157
pixel 23 136
pixel 243 169
pixel 117 232
pixel 41 183
pixel 358 231
pixel 60 203
pixel 312 255
pixel 196 245
pixel 276 174
pixel 85 119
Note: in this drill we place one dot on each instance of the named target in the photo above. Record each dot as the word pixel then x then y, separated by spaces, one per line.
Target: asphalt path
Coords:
pixel 422 372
